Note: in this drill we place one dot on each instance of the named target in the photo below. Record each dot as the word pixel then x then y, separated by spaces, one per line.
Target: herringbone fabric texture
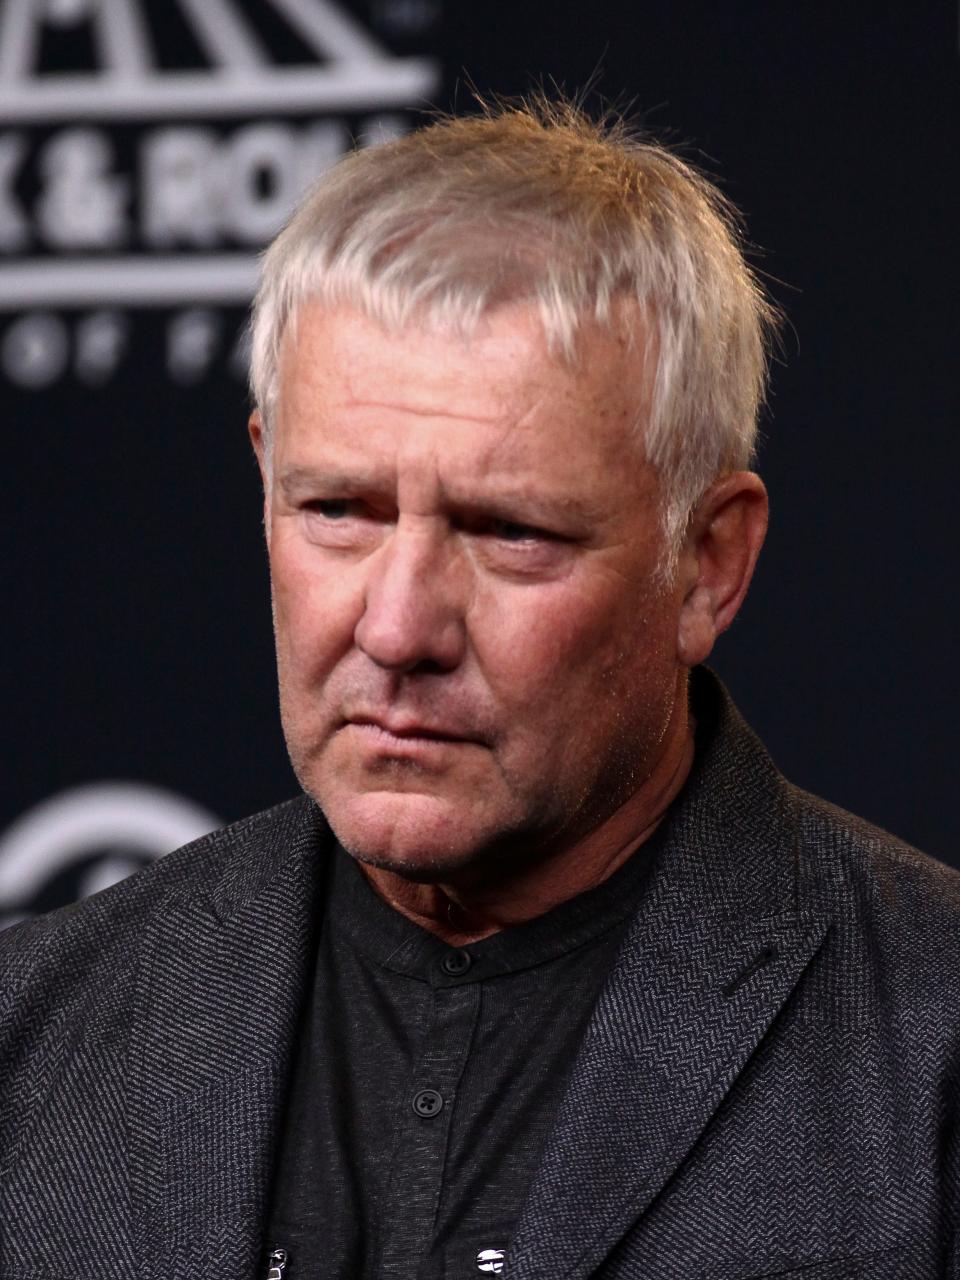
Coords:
pixel 769 1084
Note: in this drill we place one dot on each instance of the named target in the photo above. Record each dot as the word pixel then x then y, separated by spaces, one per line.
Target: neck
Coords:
pixel 461 913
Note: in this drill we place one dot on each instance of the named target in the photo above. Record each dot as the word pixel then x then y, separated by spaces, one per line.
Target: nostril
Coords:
pixel 430 667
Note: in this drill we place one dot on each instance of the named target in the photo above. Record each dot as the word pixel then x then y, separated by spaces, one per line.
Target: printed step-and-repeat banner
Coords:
pixel 149 149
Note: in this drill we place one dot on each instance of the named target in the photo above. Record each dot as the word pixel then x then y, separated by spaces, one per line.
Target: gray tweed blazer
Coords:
pixel 769 1084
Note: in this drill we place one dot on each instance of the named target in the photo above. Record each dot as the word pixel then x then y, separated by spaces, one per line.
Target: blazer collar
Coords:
pixel 218 1005
pixel 721 938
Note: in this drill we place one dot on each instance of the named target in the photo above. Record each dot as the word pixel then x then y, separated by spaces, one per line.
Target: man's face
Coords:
pixel 475 659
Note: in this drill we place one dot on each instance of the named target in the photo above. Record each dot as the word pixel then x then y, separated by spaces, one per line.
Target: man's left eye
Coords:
pixel 512 531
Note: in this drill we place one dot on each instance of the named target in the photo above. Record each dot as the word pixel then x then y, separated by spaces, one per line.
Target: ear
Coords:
pixel 257 439
pixel 718 559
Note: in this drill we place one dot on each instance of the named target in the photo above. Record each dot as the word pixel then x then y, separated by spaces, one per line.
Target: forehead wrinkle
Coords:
pixel 417 412
pixel 490 458
pixel 512 425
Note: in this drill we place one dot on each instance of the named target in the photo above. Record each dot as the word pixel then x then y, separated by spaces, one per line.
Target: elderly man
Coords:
pixel 549 972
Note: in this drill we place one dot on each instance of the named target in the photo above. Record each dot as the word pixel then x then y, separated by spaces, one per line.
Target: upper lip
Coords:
pixel 404 728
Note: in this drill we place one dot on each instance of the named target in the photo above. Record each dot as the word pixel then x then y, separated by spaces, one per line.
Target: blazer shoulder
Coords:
pixel 107 926
pixel 71 981
pixel 865 856
pixel 906 903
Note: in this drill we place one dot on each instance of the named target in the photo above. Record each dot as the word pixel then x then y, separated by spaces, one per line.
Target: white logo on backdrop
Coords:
pixel 101 832
pixel 181 224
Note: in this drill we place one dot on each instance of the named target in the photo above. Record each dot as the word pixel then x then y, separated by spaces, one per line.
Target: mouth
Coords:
pixel 406 730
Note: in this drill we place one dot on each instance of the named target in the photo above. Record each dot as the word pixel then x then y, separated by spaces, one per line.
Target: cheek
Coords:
pixel 554 646
pixel 315 608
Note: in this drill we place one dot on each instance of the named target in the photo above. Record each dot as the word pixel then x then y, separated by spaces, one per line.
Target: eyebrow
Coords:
pixel 299 480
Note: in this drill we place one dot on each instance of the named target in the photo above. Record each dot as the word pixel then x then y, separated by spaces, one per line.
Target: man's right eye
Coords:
pixel 330 508
pixel 339 524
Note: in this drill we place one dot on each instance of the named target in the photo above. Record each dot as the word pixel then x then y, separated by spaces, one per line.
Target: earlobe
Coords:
pixel 725 538
pixel 697 628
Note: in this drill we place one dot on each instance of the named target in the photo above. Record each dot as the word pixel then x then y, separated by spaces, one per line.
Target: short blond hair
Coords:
pixel 536 201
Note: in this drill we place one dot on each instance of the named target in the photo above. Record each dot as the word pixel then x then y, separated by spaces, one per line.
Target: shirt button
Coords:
pixel 456 963
pixel 427 1103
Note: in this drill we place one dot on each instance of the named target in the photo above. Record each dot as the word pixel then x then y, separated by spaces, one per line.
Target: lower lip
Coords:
pixel 381 742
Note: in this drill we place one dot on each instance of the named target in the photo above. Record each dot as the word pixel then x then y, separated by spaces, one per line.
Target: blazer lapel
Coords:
pixel 722 936
pixel 675 1024
pixel 218 1007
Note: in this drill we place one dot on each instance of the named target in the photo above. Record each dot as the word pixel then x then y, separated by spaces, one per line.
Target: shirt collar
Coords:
pixel 358 916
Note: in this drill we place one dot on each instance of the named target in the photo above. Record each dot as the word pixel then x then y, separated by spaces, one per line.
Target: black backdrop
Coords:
pixel 135 586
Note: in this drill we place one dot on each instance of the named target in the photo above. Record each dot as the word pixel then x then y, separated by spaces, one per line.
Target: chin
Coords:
pixel 418 868
pixel 416 836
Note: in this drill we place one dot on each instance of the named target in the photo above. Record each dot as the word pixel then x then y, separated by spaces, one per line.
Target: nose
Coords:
pixel 413 614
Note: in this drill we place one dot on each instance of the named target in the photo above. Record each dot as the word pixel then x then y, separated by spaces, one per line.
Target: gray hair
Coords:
pixel 536 201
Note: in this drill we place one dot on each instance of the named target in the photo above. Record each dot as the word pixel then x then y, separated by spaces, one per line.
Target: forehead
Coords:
pixel 498 395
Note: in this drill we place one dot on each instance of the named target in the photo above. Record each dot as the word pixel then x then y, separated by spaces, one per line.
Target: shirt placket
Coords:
pixel 416 1180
